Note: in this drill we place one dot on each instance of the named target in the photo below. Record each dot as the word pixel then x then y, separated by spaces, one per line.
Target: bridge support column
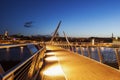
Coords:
pixel 117 57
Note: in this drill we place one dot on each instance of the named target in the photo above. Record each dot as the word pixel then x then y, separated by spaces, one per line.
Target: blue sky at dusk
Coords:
pixel 80 18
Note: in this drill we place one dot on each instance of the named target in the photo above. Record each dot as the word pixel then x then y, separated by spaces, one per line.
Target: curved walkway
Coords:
pixel 61 64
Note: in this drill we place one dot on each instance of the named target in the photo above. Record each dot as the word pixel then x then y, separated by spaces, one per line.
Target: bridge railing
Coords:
pixel 27 60
pixel 104 53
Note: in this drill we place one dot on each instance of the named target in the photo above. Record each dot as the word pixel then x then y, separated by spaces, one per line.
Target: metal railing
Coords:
pixel 26 69
pixel 103 53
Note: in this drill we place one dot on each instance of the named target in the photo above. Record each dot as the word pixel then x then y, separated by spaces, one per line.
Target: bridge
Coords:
pixel 63 64
pixel 55 62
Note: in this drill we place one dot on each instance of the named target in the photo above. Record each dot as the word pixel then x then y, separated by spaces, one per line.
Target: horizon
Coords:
pixel 39 35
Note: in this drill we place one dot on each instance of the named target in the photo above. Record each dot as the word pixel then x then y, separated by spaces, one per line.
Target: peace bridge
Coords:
pixel 43 61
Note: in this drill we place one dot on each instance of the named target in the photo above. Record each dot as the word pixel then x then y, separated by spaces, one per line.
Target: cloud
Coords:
pixel 28 24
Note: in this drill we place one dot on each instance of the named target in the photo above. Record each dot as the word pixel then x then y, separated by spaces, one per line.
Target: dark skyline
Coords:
pixel 80 18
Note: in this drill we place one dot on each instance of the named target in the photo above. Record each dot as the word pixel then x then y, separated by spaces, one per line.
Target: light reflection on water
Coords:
pixel 17 53
pixel 9 57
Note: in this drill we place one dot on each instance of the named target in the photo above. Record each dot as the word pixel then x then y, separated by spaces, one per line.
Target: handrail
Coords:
pixel 27 65
pixel 78 48
pixel 16 45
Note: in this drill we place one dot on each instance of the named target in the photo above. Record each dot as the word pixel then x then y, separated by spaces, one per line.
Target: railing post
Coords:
pixel 72 48
pixel 69 47
pixel 99 54
pixel 117 57
pixel 89 52
pixel 81 50
pixel 77 49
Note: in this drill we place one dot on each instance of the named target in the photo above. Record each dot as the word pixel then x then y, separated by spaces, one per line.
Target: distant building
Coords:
pixel 112 35
pixel 6 34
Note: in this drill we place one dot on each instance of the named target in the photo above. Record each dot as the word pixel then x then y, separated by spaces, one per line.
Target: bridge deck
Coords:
pixel 61 64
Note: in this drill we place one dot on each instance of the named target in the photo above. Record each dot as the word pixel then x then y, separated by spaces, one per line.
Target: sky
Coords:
pixel 80 18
